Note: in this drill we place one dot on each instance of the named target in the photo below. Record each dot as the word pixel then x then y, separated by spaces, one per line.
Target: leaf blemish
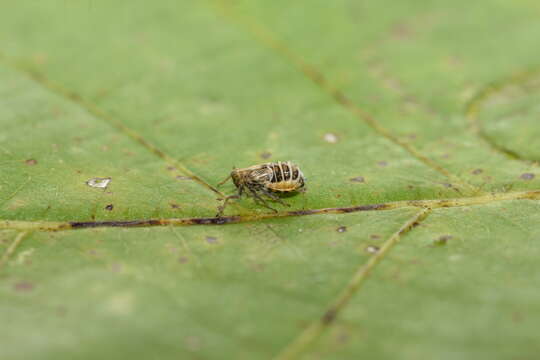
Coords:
pixel 100 183
pixel 266 155
pixel 477 171
pixel 358 179
pixel 109 207
pixel 527 176
pixel 180 177
pixel 31 162
pixel 23 286
pixel 442 240
pixel 372 249
pixel 211 239
pixel 331 138
pixel 329 316
pixel 116 268
pixel 341 229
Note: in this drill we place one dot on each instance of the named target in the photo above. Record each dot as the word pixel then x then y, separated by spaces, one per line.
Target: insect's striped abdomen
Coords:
pixel 285 177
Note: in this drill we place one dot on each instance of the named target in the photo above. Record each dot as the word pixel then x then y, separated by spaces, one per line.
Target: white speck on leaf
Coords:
pixel 330 138
pixel 100 183
pixel 372 249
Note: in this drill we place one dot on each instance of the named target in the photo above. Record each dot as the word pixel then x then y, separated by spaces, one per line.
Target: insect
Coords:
pixel 269 180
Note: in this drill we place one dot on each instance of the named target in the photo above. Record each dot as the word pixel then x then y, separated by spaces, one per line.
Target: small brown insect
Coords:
pixel 270 180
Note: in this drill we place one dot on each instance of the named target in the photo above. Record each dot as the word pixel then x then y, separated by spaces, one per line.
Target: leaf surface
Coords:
pixel 417 122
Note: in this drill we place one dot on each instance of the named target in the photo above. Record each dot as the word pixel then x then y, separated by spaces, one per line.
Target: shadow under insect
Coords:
pixel 265 182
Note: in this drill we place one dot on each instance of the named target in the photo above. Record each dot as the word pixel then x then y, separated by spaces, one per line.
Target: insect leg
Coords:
pixel 274 197
pixel 222 207
pixel 224 181
pixel 263 202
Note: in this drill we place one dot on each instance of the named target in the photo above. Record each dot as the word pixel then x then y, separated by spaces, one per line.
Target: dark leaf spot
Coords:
pixel 266 155
pixel 527 176
pixel 358 179
pixel 329 316
pixel 374 236
pixel 175 206
pixel 183 259
pixel 477 171
pixel 442 240
pixel 382 163
pixel 341 229
pixel 109 207
pixel 31 162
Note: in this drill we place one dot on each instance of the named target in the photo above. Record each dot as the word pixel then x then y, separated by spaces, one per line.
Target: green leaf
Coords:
pixel 415 124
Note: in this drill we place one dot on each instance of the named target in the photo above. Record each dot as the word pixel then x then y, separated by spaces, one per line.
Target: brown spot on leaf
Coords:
pixel 477 171
pixel 183 259
pixel 116 267
pixel 442 240
pixel 31 162
pixel 358 179
pixel 175 206
pixel 374 236
pixel 329 316
pixel 341 229
pixel 401 31
pixel 23 286
pixel 382 163
pixel 109 207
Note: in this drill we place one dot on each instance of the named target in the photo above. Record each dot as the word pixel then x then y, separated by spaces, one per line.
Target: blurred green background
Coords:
pixel 377 101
